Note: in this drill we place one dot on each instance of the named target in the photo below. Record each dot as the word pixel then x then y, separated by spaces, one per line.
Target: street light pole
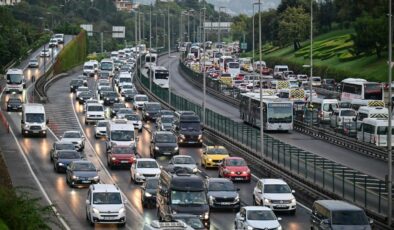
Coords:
pixel 157 15
pixel 150 45
pixel 169 52
pixel 203 69
pixel 169 32
pixel 261 89
pixel 389 148
pixel 311 59
pixel 220 24
pixel 135 28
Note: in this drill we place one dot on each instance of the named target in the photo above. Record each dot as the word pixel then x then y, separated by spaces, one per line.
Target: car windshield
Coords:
pixel 167 120
pixel 152 183
pixel 349 218
pixel 88 67
pixel 14 78
pixel 260 215
pixel 152 107
pixel 326 106
pixel 165 138
pixel 35 117
pixel 86 94
pixel 190 126
pixel 147 164
pixel 101 124
pixel 107 198
pixel 84 166
pixel 141 98
pixel 122 150
pixel 188 197
pixel 111 94
pixel 348 113
pixel 221 186
pixel 69 155
pixel 62 146
pixel 219 151
pixel 184 160
pixel 122 135
pixel 132 117
pixel 235 162
pixel 72 135
pixel 95 108
pixel 276 188
pixel 193 222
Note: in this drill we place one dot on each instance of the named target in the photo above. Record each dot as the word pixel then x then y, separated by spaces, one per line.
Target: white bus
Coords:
pixel 277 113
pixel 374 131
pixel 15 81
pixel 150 60
pixel 356 88
pixel 107 65
pixel 159 75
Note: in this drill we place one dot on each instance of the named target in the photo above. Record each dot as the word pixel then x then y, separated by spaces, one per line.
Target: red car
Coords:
pixel 120 155
pixel 235 168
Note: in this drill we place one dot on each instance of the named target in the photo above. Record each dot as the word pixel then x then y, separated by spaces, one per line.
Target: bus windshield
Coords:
pixel 106 66
pixel 280 113
pixel 14 78
pixel 161 74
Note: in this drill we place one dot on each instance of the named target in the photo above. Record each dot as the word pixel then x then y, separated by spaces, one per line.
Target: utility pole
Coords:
pixel 157 15
pixel 220 24
pixel 261 89
pixel 135 28
pixel 150 45
pixel 389 148
pixel 204 71
pixel 311 60
pixel 169 53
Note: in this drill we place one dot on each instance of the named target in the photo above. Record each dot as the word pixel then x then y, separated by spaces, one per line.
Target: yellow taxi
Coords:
pixel 213 156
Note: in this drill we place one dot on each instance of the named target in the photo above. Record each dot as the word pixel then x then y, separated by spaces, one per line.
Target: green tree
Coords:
pixel 371 35
pixel 293 26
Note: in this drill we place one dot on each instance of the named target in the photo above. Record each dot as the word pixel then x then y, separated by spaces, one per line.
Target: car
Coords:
pixel 75 84
pixel 139 101
pixel 166 112
pixel 115 108
pixel 63 158
pixel 136 119
pixel 235 168
pixel 222 194
pixel 255 217
pixel 150 111
pixel 328 83
pixel 100 129
pixel 45 53
pixel 121 156
pixel 191 220
pixel 148 192
pixel 126 87
pixel 59 145
pixel 274 194
pixel 129 94
pixel 104 90
pixel 81 89
pixel 104 75
pixel 123 112
pixel 110 98
pixel 94 113
pixel 74 137
pixel 143 168
pixel 81 172
pixel 103 86
pixel 102 198
pixel 88 102
pixel 59 38
pixel 184 161
pixel 84 96
pixel 165 122
pixel 53 43
pixel 14 104
pixel 163 143
pixel 213 156
pixel 341 116
pixel 84 79
pixel 33 63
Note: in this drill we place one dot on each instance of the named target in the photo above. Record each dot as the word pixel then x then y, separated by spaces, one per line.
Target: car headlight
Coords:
pixel 147 114
pixel 113 158
pixel 293 200
pixel 147 194
pixel 200 136
pixel 75 177
pixel 43 126
pixel 182 136
pixel 157 148
pixel 8 105
pixel 138 174
pixel 60 164
pixel 96 178
pixel 267 201
pixel 211 198
pixel 250 228
pixel 209 159
pixel 27 126
pixel 237 198
pixel 195 170
pixel 122 210
pixel 97 212
pixel 107 98
pixel 206 216
pixel 176 148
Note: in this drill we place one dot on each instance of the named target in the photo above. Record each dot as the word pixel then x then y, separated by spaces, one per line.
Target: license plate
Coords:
pixel 108 218
pixel 238 178
pixel 36 131
pixel 86 181
pixel 281 206
pixel 225 203
pixel 167 153
pixel 124 162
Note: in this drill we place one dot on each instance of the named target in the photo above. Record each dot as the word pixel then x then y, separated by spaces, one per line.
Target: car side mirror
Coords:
pixel 87 202
pixel 279 218
pixel 292 191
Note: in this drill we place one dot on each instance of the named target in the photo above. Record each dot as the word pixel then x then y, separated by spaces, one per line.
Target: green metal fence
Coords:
pixel 339 180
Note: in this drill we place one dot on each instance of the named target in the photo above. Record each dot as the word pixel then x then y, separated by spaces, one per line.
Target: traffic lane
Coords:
pixel 351 159
pixel 183 88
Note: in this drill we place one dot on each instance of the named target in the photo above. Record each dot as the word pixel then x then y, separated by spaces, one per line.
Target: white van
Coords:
pixel 374 131
pixel 316 81
pixel 371 112
pixel 88 69
pixel 107 65
pixel 279 70
pixel 105 205
pixel 325 107
pixel 34 121
pixel 233 68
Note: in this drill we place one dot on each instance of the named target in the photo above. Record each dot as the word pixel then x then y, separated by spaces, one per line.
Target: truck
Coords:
pixel 188 128
pixel 33 121
pixel 120 132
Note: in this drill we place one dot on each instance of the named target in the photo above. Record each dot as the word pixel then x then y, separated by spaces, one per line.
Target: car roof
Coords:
pixel 252 208
pixel 145 159
pixel 218 180
pixel 272 181
pixel 337 205
pixel 104 188
pixel 72 131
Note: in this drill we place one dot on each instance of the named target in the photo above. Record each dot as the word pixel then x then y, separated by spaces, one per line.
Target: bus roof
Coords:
pixel 374 110
pixel 376 121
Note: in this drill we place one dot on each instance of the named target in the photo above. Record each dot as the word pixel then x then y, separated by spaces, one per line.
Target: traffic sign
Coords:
pixel 244 46
pixel 118 32
pixel 88 28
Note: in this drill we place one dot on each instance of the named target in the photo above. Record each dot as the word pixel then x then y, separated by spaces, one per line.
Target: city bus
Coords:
pixel 356 88
pixel 277 113
pixel 107 66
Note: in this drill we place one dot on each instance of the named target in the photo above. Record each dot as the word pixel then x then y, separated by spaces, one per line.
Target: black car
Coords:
pixel 129 94
pixel 148 192
pixel 103 91
pixel 191 220
pixel 84 96
pixel 63 158
pixel 164 112
pixel 84 79
pixel 14 104
pixel 222 194
pixel 75 84
pixel 81 172
pixel 163 143
pixel 59 145
pixel 115 108
pixel 329 84
pixel 150 111
pixel 110 98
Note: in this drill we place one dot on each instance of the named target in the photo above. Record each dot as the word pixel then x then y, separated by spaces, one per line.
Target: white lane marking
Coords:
pixel 128 205
pixel 65 225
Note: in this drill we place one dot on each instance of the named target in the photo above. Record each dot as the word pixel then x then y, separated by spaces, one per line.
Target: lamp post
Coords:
pixel 219 25
pixel 311 59
pixel 255 3
pixel 389 148
pixel 157 15
pixel 203 69
pixel 261 88
pixel 150 45
pixel 136 27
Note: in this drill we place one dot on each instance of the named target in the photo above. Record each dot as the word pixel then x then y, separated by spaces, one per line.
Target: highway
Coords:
pixel 367 165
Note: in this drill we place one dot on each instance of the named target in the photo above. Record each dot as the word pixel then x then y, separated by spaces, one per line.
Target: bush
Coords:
pixel 347 56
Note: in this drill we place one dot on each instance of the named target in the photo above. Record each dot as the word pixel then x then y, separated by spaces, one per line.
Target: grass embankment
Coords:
pixel 332 57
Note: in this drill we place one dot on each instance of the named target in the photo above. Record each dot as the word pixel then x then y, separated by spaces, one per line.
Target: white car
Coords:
pixel 341 116
pixel 81 89
pixel 94 113
pixel 88 69
pixel 139 101
pixel 91 101
pixel 274 194
pixel 254 217
pixel 142 168
pixel 136 119
pixel 74 137
pixel 33 63
pixel 184 161
pixel 53 43
pixel 100 129
pixel 105 204
pixel 45 53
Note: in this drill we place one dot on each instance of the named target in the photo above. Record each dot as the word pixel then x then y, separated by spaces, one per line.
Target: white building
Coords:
pixel 9 2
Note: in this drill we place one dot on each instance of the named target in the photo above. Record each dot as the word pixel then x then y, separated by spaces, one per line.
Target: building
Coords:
pixel 124 5
pixel 9 2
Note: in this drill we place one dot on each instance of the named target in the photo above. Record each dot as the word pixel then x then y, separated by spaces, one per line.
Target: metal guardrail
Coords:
pixel 317 132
